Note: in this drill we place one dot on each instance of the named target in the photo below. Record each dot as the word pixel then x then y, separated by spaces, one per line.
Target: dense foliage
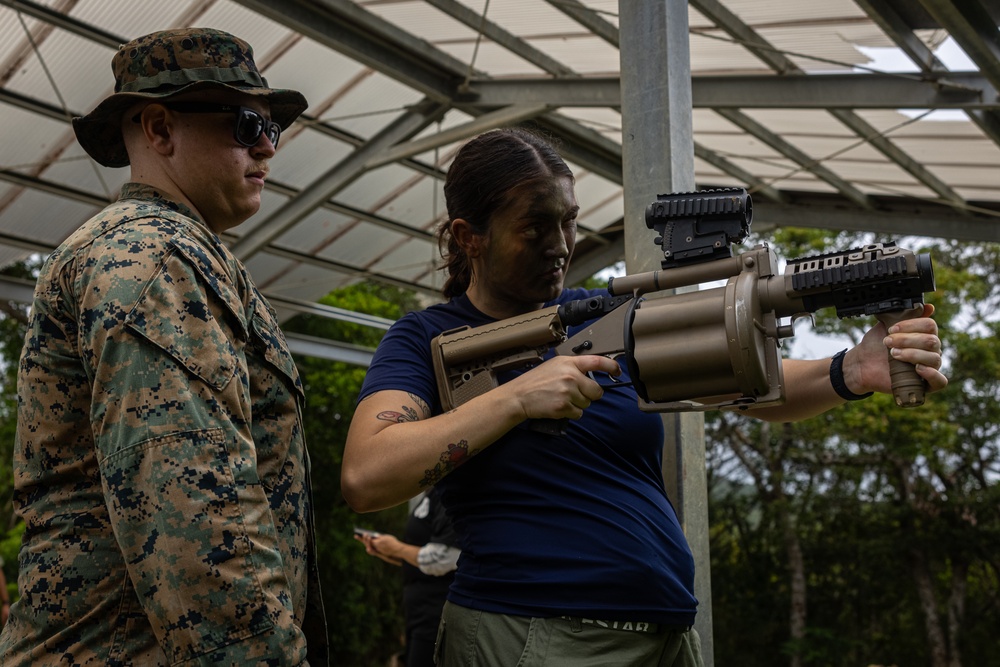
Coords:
pixel 869 535
pixel 363 595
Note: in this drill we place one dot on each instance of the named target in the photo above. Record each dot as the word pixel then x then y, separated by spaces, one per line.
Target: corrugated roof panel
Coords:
pixel 142 18
pixel 371 104
pixel 414 261
pixel 345 95
pixel 78 170
pixel 489 57
pixel 528 18
pixel 806 13
pixel 421 19
pixel 305 156
pixel 25 138
pixel 714 52
pixel 270 203
pixel 274 274
pixel 80 71
pixel 602 213
pixel 10 255
pixel 373 189
pixel 600 201
pixel 419 206
pixel 956 151
pixel 360 245
pixel 315 70
pixel 317 231
pixel 583 53
pixel 45 218
pixel 606 121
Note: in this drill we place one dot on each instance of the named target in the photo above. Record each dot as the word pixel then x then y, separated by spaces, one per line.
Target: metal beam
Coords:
pixel 325 348
pixel 17 290
pixel 658 152
pixel 893 216
pixel 870 134
pixel 355 32
pixel 952 90
pixel 65 22
pixel 973 29
pixel 358 214
pixel 510 115
pixel 901 29
pixel 901 32
pixel 589 19
pixel 37 107
pixel 52 188
pixel 369 40
pixel 347 269
pixel 745 36
pixel 329 312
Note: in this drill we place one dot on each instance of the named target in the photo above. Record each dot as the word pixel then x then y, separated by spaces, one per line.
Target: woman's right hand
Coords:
pixel 561 388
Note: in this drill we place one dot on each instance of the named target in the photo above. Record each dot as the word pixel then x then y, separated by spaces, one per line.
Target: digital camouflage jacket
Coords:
pixel 160 464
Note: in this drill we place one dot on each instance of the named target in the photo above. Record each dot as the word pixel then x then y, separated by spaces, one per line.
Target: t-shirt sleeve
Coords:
pixel 403 362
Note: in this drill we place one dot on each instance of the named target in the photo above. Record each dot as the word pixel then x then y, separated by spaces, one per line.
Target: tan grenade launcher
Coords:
pixel 704 349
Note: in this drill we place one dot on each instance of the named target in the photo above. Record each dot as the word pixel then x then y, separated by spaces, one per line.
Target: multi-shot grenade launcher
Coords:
pixel 704 349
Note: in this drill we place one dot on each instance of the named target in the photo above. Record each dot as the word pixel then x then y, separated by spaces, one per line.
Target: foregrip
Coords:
pixel 907 387
pixel 879 279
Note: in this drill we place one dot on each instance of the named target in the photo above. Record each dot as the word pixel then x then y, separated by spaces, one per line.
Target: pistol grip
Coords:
pixel 908 388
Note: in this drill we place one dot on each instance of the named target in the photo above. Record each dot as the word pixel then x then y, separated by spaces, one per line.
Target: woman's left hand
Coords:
pixel 866 367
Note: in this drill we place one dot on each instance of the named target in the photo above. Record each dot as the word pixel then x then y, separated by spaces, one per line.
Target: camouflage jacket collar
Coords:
pixel 144 192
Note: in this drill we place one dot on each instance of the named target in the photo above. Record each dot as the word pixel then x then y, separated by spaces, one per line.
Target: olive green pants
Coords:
pixel 470 638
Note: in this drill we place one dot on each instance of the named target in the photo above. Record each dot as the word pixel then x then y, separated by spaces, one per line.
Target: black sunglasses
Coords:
pixel 249 127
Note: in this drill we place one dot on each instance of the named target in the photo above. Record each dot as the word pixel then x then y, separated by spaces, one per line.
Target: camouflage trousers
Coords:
pixel 470 638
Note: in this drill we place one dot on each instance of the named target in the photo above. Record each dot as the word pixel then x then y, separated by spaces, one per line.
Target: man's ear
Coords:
pixel 157 126
pixel 467 239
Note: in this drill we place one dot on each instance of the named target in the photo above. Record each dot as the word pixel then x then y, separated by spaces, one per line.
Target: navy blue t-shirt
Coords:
pixel 576 524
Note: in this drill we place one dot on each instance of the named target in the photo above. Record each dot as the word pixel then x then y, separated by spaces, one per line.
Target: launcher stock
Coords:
pixel 705 349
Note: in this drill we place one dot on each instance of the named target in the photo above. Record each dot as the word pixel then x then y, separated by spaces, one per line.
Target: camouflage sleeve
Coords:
pixel 165 345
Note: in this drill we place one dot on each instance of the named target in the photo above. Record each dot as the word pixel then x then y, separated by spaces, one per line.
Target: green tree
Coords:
pixel 363 595
pixel 13 325
pixel 894 512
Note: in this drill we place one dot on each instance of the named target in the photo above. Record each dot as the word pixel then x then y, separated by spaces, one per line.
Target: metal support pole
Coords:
pixel 658 158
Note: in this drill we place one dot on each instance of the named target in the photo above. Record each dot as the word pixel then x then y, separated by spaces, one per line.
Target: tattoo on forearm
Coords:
pixel 454 456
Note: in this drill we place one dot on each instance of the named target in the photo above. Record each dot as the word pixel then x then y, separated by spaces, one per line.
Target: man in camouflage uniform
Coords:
pixel 160 465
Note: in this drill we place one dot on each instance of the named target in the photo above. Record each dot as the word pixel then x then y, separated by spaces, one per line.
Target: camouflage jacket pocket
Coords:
pixel 200 549
pixel 189 320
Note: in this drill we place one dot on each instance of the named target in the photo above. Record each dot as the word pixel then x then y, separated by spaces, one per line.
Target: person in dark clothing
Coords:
pixel 428 555
pixel 572 553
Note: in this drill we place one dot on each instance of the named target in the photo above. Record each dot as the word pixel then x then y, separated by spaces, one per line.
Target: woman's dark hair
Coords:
pixel 479 181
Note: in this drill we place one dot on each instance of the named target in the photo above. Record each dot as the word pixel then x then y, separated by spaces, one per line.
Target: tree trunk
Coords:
pixel 928 603
pixel 798 611
pixel 956 609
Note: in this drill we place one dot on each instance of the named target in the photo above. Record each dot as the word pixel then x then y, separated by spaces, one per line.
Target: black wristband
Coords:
pixel 837 379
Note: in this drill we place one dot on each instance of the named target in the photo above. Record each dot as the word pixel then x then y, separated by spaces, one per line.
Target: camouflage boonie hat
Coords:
pixel 170 62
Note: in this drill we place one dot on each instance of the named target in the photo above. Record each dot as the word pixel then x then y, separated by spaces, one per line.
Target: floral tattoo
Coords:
pixel 456 454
